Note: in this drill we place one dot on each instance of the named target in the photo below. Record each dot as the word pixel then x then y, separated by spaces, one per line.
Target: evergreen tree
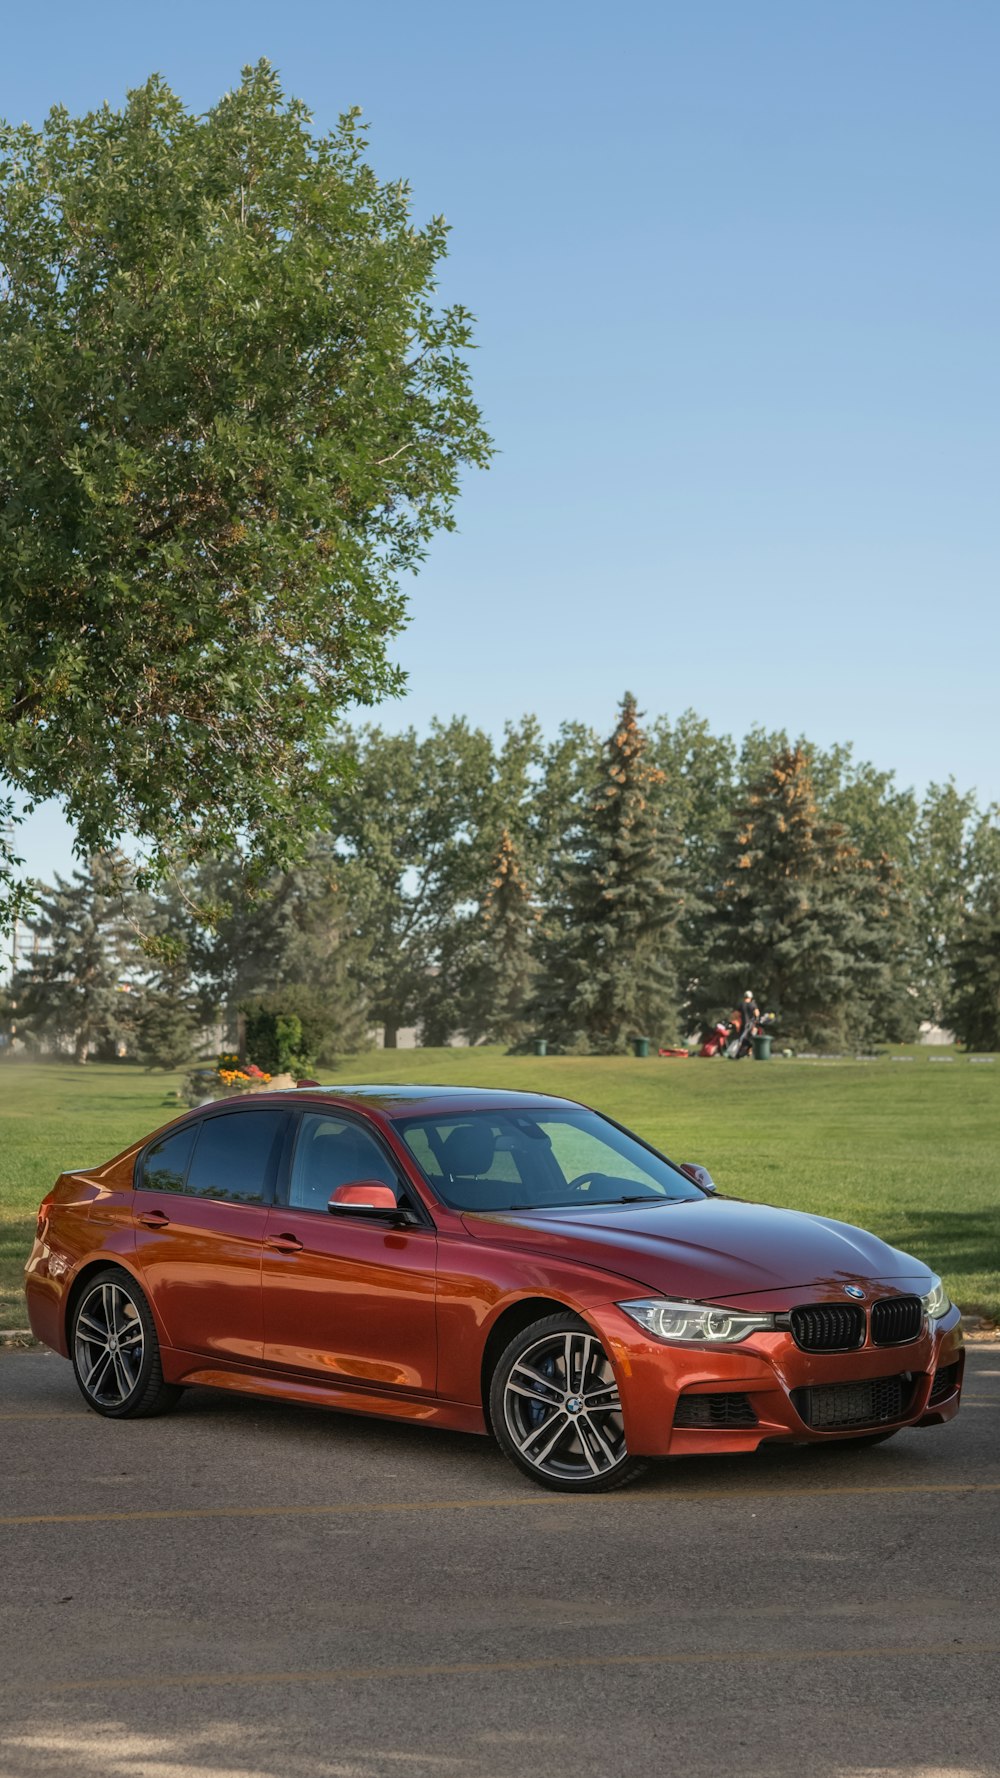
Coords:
pixel 787 919
pixel 609 972
pixel 973 1007
pixel 503 964
pixel 167 1029
pixel 76 989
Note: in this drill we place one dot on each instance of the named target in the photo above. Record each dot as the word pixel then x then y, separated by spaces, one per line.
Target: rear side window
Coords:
pixel 236 1157
pixel 164 1166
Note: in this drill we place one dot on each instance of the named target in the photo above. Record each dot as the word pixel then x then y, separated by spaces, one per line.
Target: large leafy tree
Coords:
pixel 414 821
pixel 608 950
pixel 291 943
pixel 231 417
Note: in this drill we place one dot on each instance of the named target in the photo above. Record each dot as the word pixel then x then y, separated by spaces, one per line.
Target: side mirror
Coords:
pixel 367 1197
pixel 700 1175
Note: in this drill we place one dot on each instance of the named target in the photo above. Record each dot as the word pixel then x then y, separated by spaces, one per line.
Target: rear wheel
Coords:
pixel 116 1354
pixel 556 1411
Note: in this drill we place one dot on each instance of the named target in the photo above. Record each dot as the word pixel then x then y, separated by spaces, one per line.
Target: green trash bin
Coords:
pixel 541 1046
pixel 762 1047
pixel 641 1046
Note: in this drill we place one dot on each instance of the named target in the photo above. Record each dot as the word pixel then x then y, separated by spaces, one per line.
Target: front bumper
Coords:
pixel 768 1370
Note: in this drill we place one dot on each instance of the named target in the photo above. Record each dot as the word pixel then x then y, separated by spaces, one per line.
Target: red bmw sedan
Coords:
pixel 491 1262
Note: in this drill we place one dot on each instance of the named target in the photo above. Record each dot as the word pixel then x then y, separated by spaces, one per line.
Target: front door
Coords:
pixel 347 1300
pixel 200 1212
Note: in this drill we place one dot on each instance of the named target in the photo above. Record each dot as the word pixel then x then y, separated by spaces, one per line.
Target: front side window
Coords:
pixel 164 1166
pixel 488 1160
pixel 331 1151
pixel 236 1156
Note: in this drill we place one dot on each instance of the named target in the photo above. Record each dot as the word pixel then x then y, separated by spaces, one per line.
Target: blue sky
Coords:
pixel 736 270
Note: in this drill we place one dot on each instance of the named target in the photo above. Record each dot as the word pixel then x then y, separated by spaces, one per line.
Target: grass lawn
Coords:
pixel 908 1149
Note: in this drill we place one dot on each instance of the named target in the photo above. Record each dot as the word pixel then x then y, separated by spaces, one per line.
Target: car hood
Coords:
pixel 710 1248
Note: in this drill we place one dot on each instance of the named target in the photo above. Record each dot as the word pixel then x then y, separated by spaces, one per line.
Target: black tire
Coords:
pixel 119 1373
pixel 567 1366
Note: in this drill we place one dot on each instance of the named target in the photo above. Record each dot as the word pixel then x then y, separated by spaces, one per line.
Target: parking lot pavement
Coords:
pixel 245 1588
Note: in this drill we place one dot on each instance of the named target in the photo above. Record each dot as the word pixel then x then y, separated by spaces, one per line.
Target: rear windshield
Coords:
pixel 536 1160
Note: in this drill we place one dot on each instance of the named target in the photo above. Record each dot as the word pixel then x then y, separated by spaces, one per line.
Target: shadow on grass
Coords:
pixel 963 1245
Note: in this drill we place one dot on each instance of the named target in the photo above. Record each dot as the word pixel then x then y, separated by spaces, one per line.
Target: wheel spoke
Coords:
pixel 98 1369
pixel 561 1421
pixel 87 1322
pixel 599 1439
pixel 122 1378
pixel 581 1431
pixel 603 1400
pixel 535 1386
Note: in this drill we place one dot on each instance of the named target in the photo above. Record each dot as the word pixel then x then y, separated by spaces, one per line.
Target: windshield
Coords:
pixel 537 1160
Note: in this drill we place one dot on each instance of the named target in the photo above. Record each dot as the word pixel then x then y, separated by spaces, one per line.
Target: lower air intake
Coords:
pixel 945 1383
pixel 836 1407
pixel 715 1410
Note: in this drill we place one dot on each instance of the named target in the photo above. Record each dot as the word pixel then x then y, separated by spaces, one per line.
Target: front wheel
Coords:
pixel 116 1354
pixel 556 1411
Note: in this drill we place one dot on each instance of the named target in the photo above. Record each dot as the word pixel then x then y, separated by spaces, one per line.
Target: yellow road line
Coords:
pixel 540 1664
pixel 497 1503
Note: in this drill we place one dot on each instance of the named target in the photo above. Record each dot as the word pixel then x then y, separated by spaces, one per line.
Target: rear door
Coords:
pixel 346 1299
pixel 201 1205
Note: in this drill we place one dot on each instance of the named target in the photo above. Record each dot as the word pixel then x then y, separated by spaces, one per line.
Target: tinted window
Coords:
pixel 165 1164
pixel 330 1151
pixel 236 1157
pixel 536 1159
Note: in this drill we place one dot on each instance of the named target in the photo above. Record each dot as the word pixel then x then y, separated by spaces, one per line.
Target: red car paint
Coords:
pixel 406 1322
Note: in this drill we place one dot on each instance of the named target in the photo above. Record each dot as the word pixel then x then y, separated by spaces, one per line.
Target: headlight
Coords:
pixel 693 1321
pixel 936 1301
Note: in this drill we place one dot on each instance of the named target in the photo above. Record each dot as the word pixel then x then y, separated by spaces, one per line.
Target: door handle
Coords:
pixel 284 1243
pixel 153 1219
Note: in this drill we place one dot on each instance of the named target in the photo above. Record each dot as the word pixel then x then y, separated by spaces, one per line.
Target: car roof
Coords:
pixel 409 1100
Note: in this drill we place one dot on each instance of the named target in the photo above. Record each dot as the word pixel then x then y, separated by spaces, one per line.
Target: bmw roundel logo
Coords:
pixel 854 1290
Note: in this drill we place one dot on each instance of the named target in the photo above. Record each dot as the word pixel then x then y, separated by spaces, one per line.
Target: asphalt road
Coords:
pixel 242 1588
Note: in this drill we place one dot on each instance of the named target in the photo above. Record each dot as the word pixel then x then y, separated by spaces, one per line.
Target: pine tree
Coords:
pixel 788 917
pixel 973 1008
pixel 503 967
pixel 973 1004
pixel 75 989
pixel 608 953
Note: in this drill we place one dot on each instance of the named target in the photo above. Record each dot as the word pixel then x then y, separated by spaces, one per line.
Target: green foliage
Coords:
pixel 787 920
pixel 973 1004
pixel 167 1030
pixel 608 969
pixel 504 967
pixel 294 935
pixel 414 820
pixel 274 1037
pixel 231 418
pixel 74 993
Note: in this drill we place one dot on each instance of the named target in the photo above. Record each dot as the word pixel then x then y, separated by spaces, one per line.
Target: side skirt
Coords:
pixel 189 1368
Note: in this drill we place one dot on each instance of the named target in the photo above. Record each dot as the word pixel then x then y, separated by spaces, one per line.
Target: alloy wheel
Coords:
pixel 562 1409
pixel 109 1344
